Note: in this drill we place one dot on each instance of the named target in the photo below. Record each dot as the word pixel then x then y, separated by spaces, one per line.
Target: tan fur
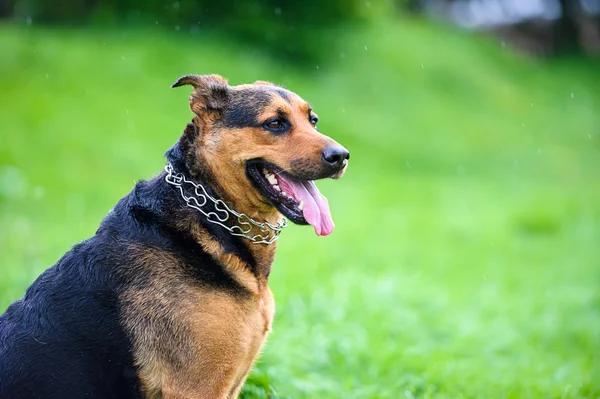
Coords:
pixel 193 342
pixel 234 265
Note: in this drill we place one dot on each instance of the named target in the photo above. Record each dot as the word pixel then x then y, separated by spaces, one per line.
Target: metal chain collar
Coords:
pixel 268 233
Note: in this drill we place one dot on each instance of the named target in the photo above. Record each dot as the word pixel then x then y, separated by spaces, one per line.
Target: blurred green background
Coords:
pixel 466 258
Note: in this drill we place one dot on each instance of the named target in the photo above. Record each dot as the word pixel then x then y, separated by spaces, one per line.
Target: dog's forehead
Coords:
pixel 266 92
pixel 247 103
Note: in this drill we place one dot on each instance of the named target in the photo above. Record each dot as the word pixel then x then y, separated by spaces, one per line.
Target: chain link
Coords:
pixel 268 233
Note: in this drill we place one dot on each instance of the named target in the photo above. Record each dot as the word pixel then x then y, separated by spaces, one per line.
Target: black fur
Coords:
pixel 283 93
pixel 245 106
pixel 65 338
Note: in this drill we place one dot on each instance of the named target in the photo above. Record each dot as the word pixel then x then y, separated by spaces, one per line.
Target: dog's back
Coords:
pixel 63 339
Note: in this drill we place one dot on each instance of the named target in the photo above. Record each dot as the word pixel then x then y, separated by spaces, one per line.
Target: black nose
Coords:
pixel 336 156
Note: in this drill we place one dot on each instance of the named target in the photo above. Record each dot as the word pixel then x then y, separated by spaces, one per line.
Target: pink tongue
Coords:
pixel 316 208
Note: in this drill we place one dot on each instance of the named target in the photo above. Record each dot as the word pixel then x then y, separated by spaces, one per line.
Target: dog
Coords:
pixel 170 298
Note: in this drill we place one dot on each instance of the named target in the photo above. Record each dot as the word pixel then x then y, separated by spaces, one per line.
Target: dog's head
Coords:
pixel 261 145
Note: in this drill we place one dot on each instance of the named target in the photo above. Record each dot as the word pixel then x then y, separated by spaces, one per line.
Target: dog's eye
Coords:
pixel 276 125
pixel 313 120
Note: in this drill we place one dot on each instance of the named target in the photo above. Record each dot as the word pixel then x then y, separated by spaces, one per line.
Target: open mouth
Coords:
pixel 298 200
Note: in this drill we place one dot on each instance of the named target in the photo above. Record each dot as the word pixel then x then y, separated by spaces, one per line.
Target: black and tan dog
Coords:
pixel 170 299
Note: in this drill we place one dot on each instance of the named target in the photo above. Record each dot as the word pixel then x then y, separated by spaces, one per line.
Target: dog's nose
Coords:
pixel 336 156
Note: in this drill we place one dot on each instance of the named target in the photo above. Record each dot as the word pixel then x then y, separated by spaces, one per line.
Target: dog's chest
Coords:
pixel 237 327
pixel 229 333
pixel 208 339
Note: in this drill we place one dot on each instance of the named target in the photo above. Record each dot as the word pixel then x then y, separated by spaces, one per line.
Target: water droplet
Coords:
pixel 572 95
pixel 342 55
pixel 177 28
pixel 123 57
pixel 367 4
pixel 503 43
pixel 365 47
pixel 523 124
pixel 422 66
pixel 317 67
pixel 47 76
pixel 127 111
pixel 539 151
pixel 343 111
pixel 176 5
pixel 277 10
pixel 29 20
pixel 408 164
pixel 531 105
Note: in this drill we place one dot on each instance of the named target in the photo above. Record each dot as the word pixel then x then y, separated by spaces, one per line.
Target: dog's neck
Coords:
pixel 216 211
pixel 214 238
pixel 228 227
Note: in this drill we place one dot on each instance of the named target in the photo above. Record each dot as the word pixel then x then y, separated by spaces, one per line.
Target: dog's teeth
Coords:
pixel 301 205
pixel 272 179
pixel 276 187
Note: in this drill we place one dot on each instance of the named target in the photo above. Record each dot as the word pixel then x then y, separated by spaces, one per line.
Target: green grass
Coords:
pixel 465 263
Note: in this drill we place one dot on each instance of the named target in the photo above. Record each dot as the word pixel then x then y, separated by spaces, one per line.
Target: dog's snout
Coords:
pixel 336 156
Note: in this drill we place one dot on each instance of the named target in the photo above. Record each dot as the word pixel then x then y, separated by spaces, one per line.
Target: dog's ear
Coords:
pixel 210 93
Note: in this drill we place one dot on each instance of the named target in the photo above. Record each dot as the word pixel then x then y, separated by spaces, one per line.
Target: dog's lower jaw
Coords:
pixel 261 209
